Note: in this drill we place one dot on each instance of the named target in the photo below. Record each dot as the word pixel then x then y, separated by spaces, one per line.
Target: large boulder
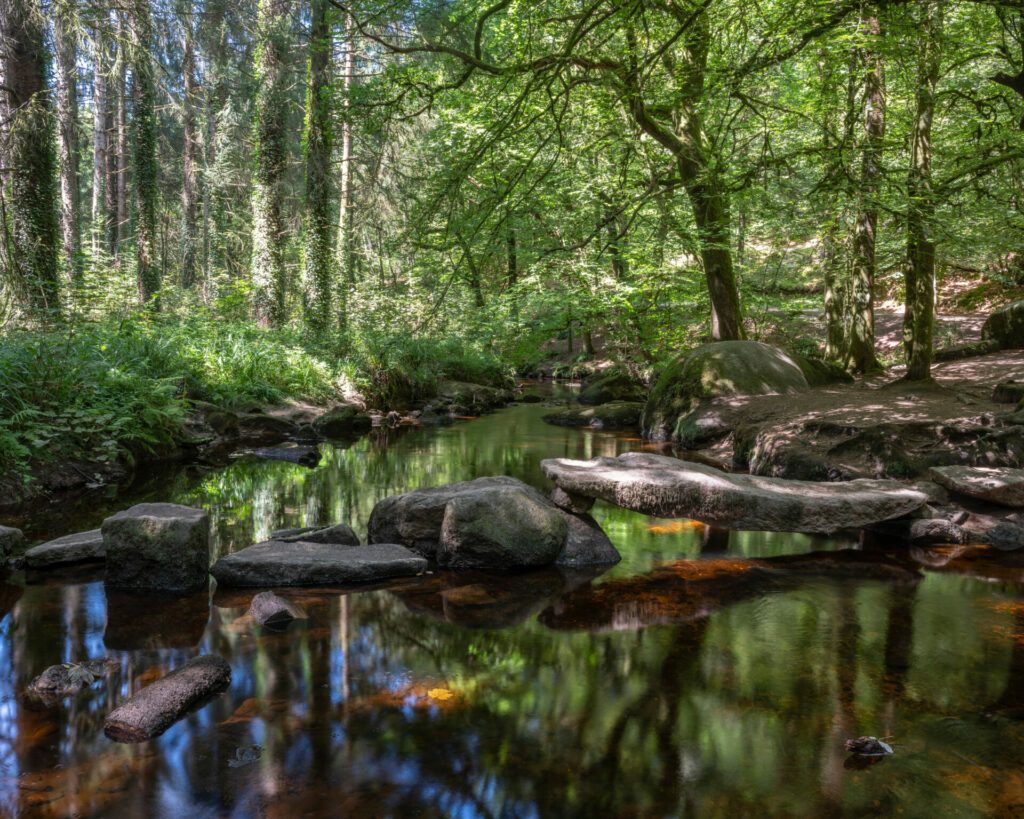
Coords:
pixel 719 369
pixel 1001 485
pixel 495 522
pixel 1006 327
pixel 157 546
pixel 80 547
pixel 343 422
pixel 671 488
pixel 613 386
pixel 298 563
pixel 614 415
pixel 10 539
pixel 466 397
pixel 500 528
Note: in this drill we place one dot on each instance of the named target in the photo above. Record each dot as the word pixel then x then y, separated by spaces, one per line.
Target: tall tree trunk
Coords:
pixel 190 158
pixel 101 68
pixel 346 234
pixel 686 142
pixel 919 314
pixel 268 263
pixel 318 142
pixel 114 92
pixel 512 256
pixel 65 36
pixel 34 223
pixel 862 317
pixel 144 162
pixel 121 140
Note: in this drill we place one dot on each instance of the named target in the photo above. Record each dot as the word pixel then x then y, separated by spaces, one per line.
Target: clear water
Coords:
pixel 546 694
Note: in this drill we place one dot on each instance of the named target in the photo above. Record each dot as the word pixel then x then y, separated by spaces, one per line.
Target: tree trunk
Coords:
pixel 512 257
pixel 121 142
pixel 346 234
pixel 101 66
pixel 862 317
pixel 919 314
pixel 318 144
pixel 34 223
pixel 144 162
pixel 190 159
pixel 65 35
pixel 269 275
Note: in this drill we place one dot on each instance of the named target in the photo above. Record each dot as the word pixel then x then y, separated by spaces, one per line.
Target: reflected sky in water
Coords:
pixel 473 695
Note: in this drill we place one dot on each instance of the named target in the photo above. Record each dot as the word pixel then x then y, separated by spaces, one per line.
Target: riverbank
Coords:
pixel 86 403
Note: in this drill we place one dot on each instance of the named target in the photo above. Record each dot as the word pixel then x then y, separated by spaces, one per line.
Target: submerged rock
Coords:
pixel 667 487
pixel 718 369
pixel 67 679
pixel 868 746
pixel 157 707
pixel 10 539
pixel 299 563
pixel 615 415
pixel 1001 485
pixel 301 455
pixel 496 523
pixel 77 548
pixel 157 546
pixel 272 610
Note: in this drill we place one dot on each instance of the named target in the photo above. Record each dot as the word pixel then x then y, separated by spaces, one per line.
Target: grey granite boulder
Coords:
pixel 10 539
pixel 158 706
pixel 670 488
pixel 157 546
pixel 298 563
pixel 80 547
pixel 492 523
pixel 272 610
pixel 1001 485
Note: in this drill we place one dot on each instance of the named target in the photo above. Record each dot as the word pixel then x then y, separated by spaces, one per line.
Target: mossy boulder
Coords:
pixel 722 368
pixel 819 372
pixel 1006 326
pixel 473 398
pixel 614 415
pixel 612 386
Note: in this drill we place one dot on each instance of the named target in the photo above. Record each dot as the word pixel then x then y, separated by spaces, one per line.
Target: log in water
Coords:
pixel 157 707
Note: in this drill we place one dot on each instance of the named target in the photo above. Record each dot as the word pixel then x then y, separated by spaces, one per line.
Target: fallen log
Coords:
pixel 157 707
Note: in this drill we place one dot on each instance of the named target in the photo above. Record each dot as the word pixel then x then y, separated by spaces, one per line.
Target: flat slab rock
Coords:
pixel 157 707
pixel 298 563
pixel 77 548
pixel 671 488
pixel 1001 485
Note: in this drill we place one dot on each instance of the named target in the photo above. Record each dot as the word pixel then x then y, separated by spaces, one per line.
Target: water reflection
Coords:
pixel 657 688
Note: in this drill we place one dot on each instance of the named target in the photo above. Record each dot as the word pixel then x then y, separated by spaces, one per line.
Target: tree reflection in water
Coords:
pixel 721 689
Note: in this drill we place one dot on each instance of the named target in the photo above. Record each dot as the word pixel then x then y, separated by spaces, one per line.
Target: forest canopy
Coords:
pixel 396 189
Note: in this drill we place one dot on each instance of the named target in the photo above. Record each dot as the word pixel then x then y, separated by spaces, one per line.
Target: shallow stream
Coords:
pixel 474 695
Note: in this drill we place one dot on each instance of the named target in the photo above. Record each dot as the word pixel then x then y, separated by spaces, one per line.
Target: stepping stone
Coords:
pixel 298 563
pixel 670 488
pixel 77 548
pixel 1001 485
pixel 157 546
pixel 158 706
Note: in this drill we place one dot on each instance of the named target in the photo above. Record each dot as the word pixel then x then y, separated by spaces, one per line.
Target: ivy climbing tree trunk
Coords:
pixel 144 162
pixel 30 153
pixel 65 36
pixel 862 302
pixel 190 156
pixel 346 234
pixel 919 312
pixel 318 261
pixel 269 276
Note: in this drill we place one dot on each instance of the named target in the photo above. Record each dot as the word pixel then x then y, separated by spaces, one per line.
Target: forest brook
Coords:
pixel 492 408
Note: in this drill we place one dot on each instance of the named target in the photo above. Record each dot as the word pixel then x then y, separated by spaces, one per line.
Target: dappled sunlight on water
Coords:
pixel 723 687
